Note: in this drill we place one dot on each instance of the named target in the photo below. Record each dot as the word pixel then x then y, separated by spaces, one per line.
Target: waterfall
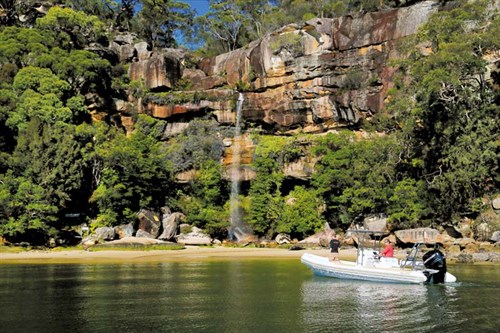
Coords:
pixel 236 228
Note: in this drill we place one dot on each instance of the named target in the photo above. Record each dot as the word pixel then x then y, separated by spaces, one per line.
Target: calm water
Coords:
pixel 238 296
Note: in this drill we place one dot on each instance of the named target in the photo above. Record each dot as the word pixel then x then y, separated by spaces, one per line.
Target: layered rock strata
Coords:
pixel 320 75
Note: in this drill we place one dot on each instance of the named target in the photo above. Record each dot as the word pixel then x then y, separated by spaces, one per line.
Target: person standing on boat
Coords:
pixel 334 248
pixel 388 251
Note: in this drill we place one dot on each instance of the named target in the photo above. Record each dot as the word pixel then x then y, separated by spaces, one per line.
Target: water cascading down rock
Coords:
pixel 237 230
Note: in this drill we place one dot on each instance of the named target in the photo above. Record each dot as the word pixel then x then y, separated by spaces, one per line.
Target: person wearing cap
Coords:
pixel 388 251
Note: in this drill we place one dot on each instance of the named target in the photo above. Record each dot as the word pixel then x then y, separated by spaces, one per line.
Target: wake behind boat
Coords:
pixel 370 266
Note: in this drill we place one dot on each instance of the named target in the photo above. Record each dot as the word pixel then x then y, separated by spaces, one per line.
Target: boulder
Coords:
pixel 170 223
pixel 453 249
pixel 464 242
pixel 486 247
pixel 471 248
pixel 144 234
pixel 423 235
pixel 376 223
pixel 124 38
pixel 142 51
pixel 195 237
pixel 483 232
pixel 465 258
pixel 52 242
pixel 321 238
pixel 495 203
pixel 89 242
pixel 124 230
pixel 282 238
pixel 452 231
pixel 466 227
pixel 104 233
pixel 495 237
pixel 185 228
pixel 149 222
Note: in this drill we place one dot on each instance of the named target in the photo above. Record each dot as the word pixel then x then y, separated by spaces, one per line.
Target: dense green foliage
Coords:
pixel 431 157
pixel 451 127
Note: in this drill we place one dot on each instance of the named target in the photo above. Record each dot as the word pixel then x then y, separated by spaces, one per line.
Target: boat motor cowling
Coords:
pixel 435 260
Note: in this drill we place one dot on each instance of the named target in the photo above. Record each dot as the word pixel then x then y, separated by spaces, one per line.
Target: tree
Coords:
pixel 355 177
pixel 24 207
pixel 266 202
pixel 74 29
pixel 450 126
pixel 408 204
pixel 84 70
pixel 302 213
pixel 46 177
pixel 158 20
pixel 130 173
pixel 198 144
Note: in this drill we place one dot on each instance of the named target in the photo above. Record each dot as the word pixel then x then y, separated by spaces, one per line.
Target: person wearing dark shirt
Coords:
pixel 334 248
pixel 388 251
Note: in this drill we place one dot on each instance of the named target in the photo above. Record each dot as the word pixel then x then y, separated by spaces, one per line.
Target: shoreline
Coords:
pixel 188 254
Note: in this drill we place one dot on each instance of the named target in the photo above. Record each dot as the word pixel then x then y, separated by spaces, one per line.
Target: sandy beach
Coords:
pixel 190 253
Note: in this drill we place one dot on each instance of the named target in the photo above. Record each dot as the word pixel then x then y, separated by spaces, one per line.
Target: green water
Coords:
pixel 238 296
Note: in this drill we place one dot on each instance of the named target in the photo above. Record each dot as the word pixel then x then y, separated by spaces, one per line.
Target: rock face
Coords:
pixel 321 75
pixel 159 70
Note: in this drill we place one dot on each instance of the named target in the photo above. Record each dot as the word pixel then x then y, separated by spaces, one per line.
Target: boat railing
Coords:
pixel 411 260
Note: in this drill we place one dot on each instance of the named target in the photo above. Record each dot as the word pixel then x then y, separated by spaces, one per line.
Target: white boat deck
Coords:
pixel 370 271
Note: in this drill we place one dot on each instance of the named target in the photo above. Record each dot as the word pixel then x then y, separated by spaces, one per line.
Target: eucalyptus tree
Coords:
pixel 224 22
pixel 158 21
pixel 116 14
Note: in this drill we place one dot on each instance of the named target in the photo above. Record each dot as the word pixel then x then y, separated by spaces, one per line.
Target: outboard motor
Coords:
pixel 435 260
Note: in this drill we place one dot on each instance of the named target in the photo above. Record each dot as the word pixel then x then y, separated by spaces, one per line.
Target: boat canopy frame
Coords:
pixel 361 247
pixel 411 260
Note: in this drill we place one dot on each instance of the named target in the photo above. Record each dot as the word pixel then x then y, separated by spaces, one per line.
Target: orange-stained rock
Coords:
pixel 160 71
pixel 246 150
pixel 324 74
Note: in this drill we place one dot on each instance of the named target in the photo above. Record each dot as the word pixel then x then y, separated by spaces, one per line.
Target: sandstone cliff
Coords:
pixel 313 77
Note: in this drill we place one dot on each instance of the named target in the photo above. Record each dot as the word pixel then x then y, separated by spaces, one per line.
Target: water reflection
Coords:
pixel 237 296
pixel 331 304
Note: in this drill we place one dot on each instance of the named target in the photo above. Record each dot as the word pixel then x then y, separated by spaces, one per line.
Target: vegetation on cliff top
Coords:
pixel 436 162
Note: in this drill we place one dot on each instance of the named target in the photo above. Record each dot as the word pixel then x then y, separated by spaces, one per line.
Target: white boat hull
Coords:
pixel 349 270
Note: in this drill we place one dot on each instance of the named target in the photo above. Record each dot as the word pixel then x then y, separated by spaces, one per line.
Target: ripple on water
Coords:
pixel 361 306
